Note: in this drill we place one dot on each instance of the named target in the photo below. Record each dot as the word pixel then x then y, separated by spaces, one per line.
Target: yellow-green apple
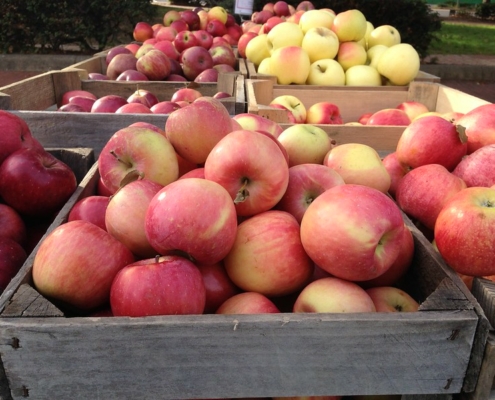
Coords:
pixel 396 171
pixel 399 64
pixel 306 183
pixel 349 25
pixel 248 303
pixel 464 232
pixel 142 31
pixel 283 35
pixel 138 288
pixel 305 143
pixel 386 35
pixel 353 232
pixel 219 287
pixel 13 226
pixel 137 152
pixel 192 205
pixel 264 67
pixel 392 299
pixel 480 126
pixel 171 16
pixel 364 40
pixel 195 129
pixel 195 60
pixel 373 54
pixel 132 200
pixel 267 256
pixel 76 263
pixel 12 257
pixel 333 295
pixel 424 190
pixel 296 111
pixel 218 13
pixel 413 108
pixel 35 183
pixel 257 49
pixel 359 164
pixel 362 75
pixel 476 169
pixel 324 112
pixel 120 63
pixel 397 271
pixel 351 53
pixel 237 162
pixel 314 19
pixel 389 116
pixel 92 209
pixel 294 56
pixel 243 42
pixel 326 72
pixel 431 140
pixel 320 43
pixel 255 122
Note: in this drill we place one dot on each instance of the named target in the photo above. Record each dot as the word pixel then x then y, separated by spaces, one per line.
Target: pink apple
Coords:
pixel 12 257
pixel 195 60
pixel 108 104
pixel 234 164
pixel 132 75
pixel 133 47
pixel 96 76
pixel 255 122
pixel 142 31
pixel 207 76
pixel 192 205
pixel 176 78
pixel 392 299
pixel 120 63
pixel 267 256
pixel 166 34
pixel 424 190
pixel 76 264
pixel 389 116
pixel 479 124
pixel 184 40
pixel 431 140
pixel 306 183
pixel 85 102
pixel 143 96
pixel 35 183
pixel 154 64
pixel 324 112
pixel 198 172
pixel 248 303
pixel 164 107
pixel 476 169
pixel 396 171
pixel 224 69
pixel 71 108
pixel 91 209
pixel 137 152
pixel 333 295
pixel 196 128
pixel 305 5
pixel 205 39
pixel 114 51
pixel 180 25
pixel 243 41
pixel 354 232
pixel 186 94
pixel 71 93
pixel 133 108
pixel 132 200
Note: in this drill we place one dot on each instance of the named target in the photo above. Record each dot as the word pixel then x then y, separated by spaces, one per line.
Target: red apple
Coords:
pixel 396 171
pixel 191 18
pixel 13 226
pixel 114 51
pixel 12 257
pixel 192 206
pixel 179 25
pixel 164 107
pixel 205 39
pixel 35 183
pixel 168 48
pixel 154 64
pixel 166 34
pixel 208 75
pixel 85 102
pixel 138 289
pixel 143 96
pixel 480 126
pixel 255 122
pixel 476 169
pixel 91 209
pixel 76 92
pixel 185 40
pixel 389 116
pixel 221 54
pixel 324 112
pixel 76 264
pixel 216 28
pixel 281 8
pixel 248 303
pixel 132 75
pixel 108 104
pixel 195 60
pixel 142 31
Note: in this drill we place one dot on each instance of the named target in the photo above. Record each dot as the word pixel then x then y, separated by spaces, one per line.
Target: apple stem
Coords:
pixel 127 164
pixel 243 193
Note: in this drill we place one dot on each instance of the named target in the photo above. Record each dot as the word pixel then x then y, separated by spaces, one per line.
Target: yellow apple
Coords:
pixel 351 53
pixel 257 49
pixel 399 64
pixel 290 64
pixel 369 28
pixel 264 67
pixel 374 54
pixel 350 25
pixel 296 110
pixel 219 13
pixel 316 18
pixel 326 72
pixel 284 34
pixel 362 75
pixel 384 34
pixel 320 43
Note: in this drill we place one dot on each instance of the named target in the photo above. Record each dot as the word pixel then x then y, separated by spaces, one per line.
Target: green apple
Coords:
pixel 257 49
pixel 283 35
pixel 383 34
pixel 316 18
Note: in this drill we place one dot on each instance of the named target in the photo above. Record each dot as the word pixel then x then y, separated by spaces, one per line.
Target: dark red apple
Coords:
pixel 132 75
pixel 195 60
pixel 97 76
pixel 12 225
pixel 191 18
pixel 12 257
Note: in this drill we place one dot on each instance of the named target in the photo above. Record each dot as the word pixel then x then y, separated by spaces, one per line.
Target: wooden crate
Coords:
pixel 434 353
pixel 252 74
pixel 45 91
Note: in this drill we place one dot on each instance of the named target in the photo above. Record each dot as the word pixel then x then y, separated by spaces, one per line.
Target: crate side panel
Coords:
pixel 450 99
pixel 241 356
pixel 35 93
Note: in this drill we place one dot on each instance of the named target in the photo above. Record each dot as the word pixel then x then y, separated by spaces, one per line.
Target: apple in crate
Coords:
pixel 392 299
pixel 476 169
pixel 91 209
pixel 192 216
pixel 333 295
pixel 108 104
pixel 326 72
pixel 154 64
pixel 186 94
pixel 362 75
pixel 142 31
pixel 133 152
pixel 386 35
pixel 480 126
pixel 389 116
pixel 248 303
pixel 320 42
pixel 306 183
pixel 133 108
pixel 324 112
pixel 267 256
pixel 208 75
pixel 424 190
pixel 76 264
pixel 296 111
pixel 164 107
pixel 131 75
pixel 396 171
pixel 143 96
pixel 35 183
pixel 294 56
pixel 13 226
pixel 120 63
pixel 205 39
pixel 12 257
pixel 353 232
pixel 138 288
pixel 192 19
pixel 413 108
pixel 114 51
pixel 238 163
pixel 465 231
pixel 85 102
pixel 195 60
pixel 360 164
pixel 255 122
pixel 305 143
pixel 432 140
pixel 185 39
pixel 399 64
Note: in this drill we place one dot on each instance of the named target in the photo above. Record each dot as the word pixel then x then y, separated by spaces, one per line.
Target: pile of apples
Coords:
pixel 325 48
pixel 142 101
pixel 34 186
pixel 214 213
pixel 190 45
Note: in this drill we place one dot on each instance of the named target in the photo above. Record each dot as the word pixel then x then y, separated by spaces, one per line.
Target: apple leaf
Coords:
pixel 461 130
